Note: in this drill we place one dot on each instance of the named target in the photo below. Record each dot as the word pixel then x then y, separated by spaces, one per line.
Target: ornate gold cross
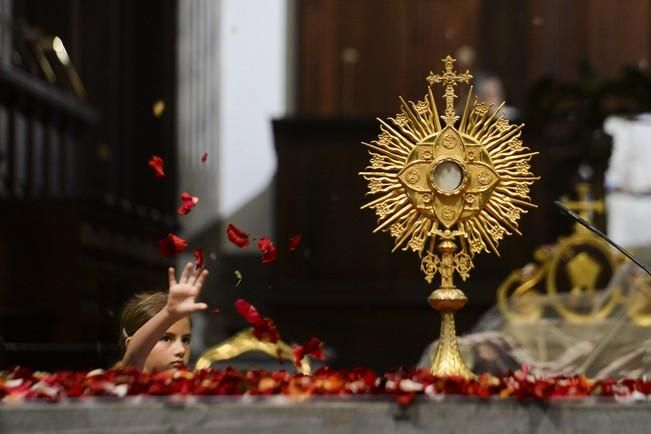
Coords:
pixel 584 206
pixel 449 79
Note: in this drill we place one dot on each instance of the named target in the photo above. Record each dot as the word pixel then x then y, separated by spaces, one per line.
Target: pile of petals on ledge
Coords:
pixel 20 384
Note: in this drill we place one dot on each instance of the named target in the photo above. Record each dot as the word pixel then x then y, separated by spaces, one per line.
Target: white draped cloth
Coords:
pixel 628 180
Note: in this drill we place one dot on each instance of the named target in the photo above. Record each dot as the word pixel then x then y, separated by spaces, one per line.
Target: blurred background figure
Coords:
pixel 488 88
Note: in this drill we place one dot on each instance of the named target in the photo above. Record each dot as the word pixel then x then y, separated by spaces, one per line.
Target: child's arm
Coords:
pixel 180 303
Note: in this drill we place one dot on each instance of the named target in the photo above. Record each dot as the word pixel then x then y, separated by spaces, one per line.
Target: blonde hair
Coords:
pixel 137 311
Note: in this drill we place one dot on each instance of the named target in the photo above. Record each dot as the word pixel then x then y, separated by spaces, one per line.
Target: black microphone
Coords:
pixel 590 226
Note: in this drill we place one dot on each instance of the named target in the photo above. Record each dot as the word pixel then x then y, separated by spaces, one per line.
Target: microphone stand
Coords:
pixel 594 229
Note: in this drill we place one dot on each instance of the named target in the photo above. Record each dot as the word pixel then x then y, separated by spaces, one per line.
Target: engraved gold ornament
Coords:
pixel 448 191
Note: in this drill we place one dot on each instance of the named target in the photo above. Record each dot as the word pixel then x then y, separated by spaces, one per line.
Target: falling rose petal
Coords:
pixel 269 253
pixel 267 331
pixel 215 311
pixel 313 347
pixel 263 328
pixel 198 258
pixel 204 157
pixel 238 275
pixel 298 352
pixel 294 242
pixel 157 165
pixel 171 245
pixel 248 312
pixel 237 237
pixel 190 199
pixel 187 203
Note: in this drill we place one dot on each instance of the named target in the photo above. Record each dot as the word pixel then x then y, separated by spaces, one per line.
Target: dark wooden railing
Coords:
pixel 40 137
pixel 69 256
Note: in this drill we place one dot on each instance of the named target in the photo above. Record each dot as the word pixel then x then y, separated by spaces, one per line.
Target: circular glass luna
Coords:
pixel 447 176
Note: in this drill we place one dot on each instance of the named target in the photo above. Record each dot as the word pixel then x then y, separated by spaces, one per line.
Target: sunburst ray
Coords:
pixel 484 208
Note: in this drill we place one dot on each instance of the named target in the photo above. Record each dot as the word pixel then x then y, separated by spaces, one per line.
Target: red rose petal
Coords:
pixel 313 347
pixel 198 258
pixel 237 237
pixel 267 331
pixel 171 245
pixel 20 384
pixel 269 253
pixel 248 311
pixel 157 165
pixel 204 157
pixel 263 328
pixel 215 311
pixel 187 203
pixel 294 242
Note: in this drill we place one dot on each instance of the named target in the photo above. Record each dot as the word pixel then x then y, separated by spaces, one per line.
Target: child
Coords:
pixel 156 328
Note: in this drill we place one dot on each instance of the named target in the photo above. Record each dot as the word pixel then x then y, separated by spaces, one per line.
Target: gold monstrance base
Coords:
pixel 448 361
pixel 448 191
pixel 447 300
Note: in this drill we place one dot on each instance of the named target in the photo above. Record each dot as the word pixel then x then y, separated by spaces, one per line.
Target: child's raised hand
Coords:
pixel 182 294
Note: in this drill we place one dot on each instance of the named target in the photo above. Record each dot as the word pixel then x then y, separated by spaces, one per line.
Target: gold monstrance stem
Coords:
pixel 447 300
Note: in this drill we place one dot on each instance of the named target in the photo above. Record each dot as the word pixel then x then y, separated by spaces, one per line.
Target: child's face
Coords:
pixel 172 350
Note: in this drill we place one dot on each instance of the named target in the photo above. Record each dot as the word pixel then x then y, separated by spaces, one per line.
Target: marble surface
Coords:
pixel 321 415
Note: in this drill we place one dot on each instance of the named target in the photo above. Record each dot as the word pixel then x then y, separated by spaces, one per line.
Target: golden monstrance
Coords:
pixel 448 192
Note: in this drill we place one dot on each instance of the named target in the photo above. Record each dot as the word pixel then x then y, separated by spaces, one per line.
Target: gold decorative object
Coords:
pixel 580 260
pixel 448 192
pixel 69 71
pixel 639 301
pixel 245 342
pixel 51 58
